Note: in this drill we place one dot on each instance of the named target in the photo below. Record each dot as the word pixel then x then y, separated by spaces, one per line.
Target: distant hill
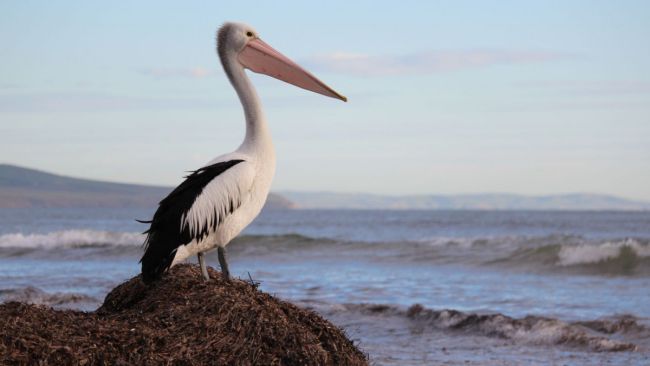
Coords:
pixel 488 201
pixel 23 187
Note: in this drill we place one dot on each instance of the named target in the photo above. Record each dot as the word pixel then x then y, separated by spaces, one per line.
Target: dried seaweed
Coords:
pixel 179 320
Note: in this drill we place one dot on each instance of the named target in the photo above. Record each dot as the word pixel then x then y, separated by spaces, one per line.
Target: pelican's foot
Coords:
pixel 204 269
pixel 225 273
pixel 206 276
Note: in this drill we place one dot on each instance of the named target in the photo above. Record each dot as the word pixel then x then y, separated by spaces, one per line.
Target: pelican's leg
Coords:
pixel 204 269
pixel 225 273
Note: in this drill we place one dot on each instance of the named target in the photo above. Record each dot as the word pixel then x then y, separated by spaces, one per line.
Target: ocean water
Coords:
pixel 412 287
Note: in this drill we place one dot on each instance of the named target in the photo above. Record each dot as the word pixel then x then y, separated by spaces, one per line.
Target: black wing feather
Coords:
pixel 165 234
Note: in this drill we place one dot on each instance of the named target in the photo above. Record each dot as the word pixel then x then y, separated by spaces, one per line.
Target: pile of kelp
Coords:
pixel 180 319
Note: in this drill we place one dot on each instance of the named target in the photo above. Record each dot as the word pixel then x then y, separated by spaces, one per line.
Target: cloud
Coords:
pixel 593 87
pixel 425 62
pixel 58 102
pixel 389 65
pixel 9 86
pixel 600 104
pixel 83 102
pixel 193 72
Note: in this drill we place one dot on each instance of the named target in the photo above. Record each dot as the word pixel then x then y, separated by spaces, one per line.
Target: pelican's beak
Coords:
pixel 262 58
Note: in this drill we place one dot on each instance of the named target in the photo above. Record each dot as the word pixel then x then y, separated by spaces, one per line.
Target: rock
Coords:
pixel 180 319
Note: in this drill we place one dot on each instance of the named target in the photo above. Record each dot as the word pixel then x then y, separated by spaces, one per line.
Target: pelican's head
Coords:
pixel 254 54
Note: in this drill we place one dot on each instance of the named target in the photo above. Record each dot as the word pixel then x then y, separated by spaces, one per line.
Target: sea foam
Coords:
pixel 529 330
pixel 594 253
pixel 70 239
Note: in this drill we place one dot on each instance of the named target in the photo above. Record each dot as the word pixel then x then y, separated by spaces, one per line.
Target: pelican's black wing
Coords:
pixel 166 232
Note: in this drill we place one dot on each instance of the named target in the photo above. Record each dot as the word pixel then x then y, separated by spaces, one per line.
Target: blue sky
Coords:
pixel 444 96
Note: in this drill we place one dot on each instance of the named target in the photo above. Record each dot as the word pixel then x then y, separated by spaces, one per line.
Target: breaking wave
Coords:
pixel 33 295
pixel 597 335
pixel 612 257
pixel 585 254
pixel 557 253
pixel 70 239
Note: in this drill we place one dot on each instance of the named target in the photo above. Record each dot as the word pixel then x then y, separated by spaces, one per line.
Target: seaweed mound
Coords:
pixel 180 319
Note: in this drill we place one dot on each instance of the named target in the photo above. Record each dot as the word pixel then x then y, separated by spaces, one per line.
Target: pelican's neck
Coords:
pixel 258 136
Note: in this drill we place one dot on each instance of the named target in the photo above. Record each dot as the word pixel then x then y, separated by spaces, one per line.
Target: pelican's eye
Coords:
pixel 249 34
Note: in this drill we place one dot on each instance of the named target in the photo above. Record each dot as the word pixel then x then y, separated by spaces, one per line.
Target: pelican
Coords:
pixel 217 201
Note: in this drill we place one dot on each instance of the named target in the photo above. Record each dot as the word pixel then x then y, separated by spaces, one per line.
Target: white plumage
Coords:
pixel 246 186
